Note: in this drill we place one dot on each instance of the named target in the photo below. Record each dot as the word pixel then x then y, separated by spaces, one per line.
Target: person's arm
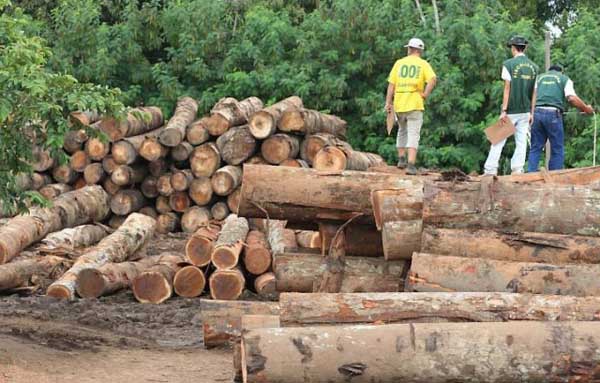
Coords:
pixel 504 114
pixel 579 104
pixel 429 88
pixel 389 98
pixel 533 97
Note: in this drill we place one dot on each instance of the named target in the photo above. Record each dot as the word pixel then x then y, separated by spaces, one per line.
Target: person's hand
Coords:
pixel 388 108
pixel 503 116
pixel 589 109
pixel 531 119
pixel 423 95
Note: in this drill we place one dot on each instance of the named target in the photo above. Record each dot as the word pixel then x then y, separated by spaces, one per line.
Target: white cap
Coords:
pixel 415 43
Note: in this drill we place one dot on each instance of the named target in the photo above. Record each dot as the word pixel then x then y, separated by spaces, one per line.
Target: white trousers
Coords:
pixel 521 122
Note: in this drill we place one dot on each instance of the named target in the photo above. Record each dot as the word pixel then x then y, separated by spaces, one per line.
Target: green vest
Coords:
pixel 551 90
pixel 523 72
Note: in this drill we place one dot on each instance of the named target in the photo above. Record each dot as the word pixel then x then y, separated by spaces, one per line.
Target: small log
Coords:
pixel 158 167
pixel 163 185
pixel 126 151
pixel 155 284
pixel 257 256
pixel 236 145
pixel 73 238
pixel 129 175
pixel 19 273
pixel 197 133
pixel 229 112
pixel 182 151
pixel 85 117
pixel 312 144
pixel 94 173
pixel 295 163
pixel 227 248
pixel 280 147
pixel 149 187
pixel 266 286
pixel 397 205
pixel 185 113
pixel 74 140
pixel 264 122
pixel 226 284
pixel 195 217
pixel 226 180
pixel 64 174
pixel 42 159
pixel 331 158
pixel 401 239
pixel 307 121
pixel 117 247
pixel 233 200
pixel 205 160
pixel 162 204
pixel 201 191
pixel 39 180
pixel 199 247
pixel 110 186
pixel 308 239
pixel 109 164
pixel 52 191
pixel 179 201
pixel 181 179
pixel 167 223
pixel 149 211
pixel 152 150
pixel 219 211
pixel 79 160
pixel 127 201
pixel 97 149
pixel 138 121
pixel 189 282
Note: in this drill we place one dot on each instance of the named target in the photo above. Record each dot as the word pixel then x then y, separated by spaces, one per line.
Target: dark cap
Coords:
pixel 556 67
pixel 517 40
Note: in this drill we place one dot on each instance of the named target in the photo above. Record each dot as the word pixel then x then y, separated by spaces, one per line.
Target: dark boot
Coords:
pixel 402 162
pixel 411 170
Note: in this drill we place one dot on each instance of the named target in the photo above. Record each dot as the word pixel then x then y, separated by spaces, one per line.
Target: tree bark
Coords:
pixel 179 201
pixel 257 256
pixel 199 246
pixel 175 129
pixel 227 284
pixel 332 278
pixel 79 160
pixel 205 160
pixel 64 174
pixel 331 158
pixel 226 180
pixel 94 174
pixel 181 179
pixel 20 272
pixel 155 284
pixel 219 211
pixel 307 121
pixel 189 282
pixel 167 222
pixel 233 200
pixel 149 187
pixel 197 133
pixel 278 237
pixel 138 121
pixel 52 191
pixel 71 209
pixel 194 218
pixel 264 122
pixel 250 322
pixel 85 117
pixel 295 163
pixel 297 272
pixel 390 205
pixel 280 147
pixel 236 145
pixel 201 191
pixel 227 248
pixel 71 239
pixel 423 352
pixel 74 140
pixel 400 239
pixel 96 149
pixel 127 201
pixel 229 112
pixel 117 247
pixel 125 175
pixel 446 273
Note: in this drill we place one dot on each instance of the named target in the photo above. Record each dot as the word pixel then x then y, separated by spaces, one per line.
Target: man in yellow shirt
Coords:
pixel 406 94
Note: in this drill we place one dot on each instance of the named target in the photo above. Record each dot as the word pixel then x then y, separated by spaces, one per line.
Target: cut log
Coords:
pixel 278 238
pixel 401 239
pixel 155 284
pixel 195 217
pixel 221 320
pixel 110 186
pixel 229 112
pixel 74 140
pixel 308 239
pixel 331 279
pixel 94 173
pixel 331 158
pixel 226 180
pixel 199 247
pixel 85 117
pixel 127 201
pixel 312 144
pixel 149 211
pixel 307 121
pixel 149 187
pixel 152 150
pixel 328 309
pixel 162 205
pixel 97 149
pixel 236 145
pixel 189 282
pixel 266 286
pixel 71 209
pixel 307 196
pixel 125 151
pixel 197 133
pixel 205 160
pixel 296 272
pixel 294 163
pixel 138 121
pixel 19 272
pixel 109 164
pixel 219 211
pixel 179 201
pixel 116 221
pixel 73 238
pixel 517 247
pixel 184 114
pixel 361 240
pixel 163 185
pixel 117 247
pixel 256 160
pixel 576 176
pixel 64 174
pixel 79 183
pixel 227 248
pixel 423 353
pixel 129 175
pixel 233 200
pixel 42 159
pixel 181 180
pixel 446 273
pixel 52 191
pixel 513 206
pixel 201 191
pixel 250 322
pixel 167 223
pixel 158 167
pixel 264 122
pixel 39 180
pixel 227 284
pixel 79 160
pixel 391 205
pixel 182 151
pixel 280 147
pixel 257 256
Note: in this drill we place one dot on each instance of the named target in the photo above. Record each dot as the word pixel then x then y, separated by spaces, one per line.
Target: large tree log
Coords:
pixel 312 144
pixel 229 112
pixel 167 222
pixel 197 133
pixel 227 248
pixel 79 183
pixel 307 121
pixel 307 196
pixel 518 247
pixel 201 191
pixel 226 180
pixel 64 174
pixel 219 211
pixel 423 353
pixel 576 176
pixel 127 201
pixel 390 205
pixel 39 180
pixel 20 272
pixel 125 175
pixel 194 218
pixel 278 237
pixel 236 145
pixel 221 320
pixel 117 247
pixel 257 256
pixel 227 284
pixel 446 273
pixel 71 209
pixel 513 206
pixel 199 247
pixel 78 161
pixel 94 173
pixel 205 160
pixel 155 284
pixel 149 211
pixel 158 167
pixel 400 239
pixel 189 282
pixel 54 190
pixel 264 122
pixel 297 272
pixel 280 147
pixel 126 151
pixel 137 121
pixel 326 309
pixel 332 158
pixel 71 239
pixel 97 149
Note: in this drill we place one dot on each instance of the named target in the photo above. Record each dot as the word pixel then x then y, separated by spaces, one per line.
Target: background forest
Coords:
pixel 335 54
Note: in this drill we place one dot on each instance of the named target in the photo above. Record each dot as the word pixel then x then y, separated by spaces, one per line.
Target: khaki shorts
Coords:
pixel 409 129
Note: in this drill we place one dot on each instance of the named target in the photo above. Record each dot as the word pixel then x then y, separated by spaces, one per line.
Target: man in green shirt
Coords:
pixel 552 91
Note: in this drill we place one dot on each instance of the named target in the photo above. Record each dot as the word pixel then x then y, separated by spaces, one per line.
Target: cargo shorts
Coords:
pixel 409 129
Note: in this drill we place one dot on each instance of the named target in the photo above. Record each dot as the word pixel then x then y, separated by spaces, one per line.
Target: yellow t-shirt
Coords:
pixel 409 75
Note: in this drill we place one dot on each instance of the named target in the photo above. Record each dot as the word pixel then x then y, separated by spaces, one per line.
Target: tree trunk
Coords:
pixel 516 247
pixel 201 191
pixel 94 174
pixel 179 201
pixel 155 284
pixel 197 133
pixel 205 160
pixel 181 180
pixel 110 186
pixel 52 191
pixel 390 205
pixel 194 218
pixel 127 201
pixel 264 122
pixel 227 248
pixel 163 185
pixel 219 211
pixel 149 187
pixel 162 205
pixel 295 163
pixel 71 209
pixel 70 239
pixel 297 272
pixel 280 147
pixel 229 112
pixel 233 200
pixel 189 282
pixel 74 140
pixel 125 175
pixel 175 129
pixel 64 174
pixel 257 256
pixel 182 151
pixel 96 149
pixel 446 273
pixel 331 158
pixel 401 239
pixel 20 272
pixel 109 164
pixel 236 145
pixel 221 320
pixel 42 159
pixel 329 309
pixel 330 281
pixel 308 239
pixel 226 284
pixel 226 180
pixel 167 223
pixel 117 247
pixel 152 150
pixel 509 206
pixel 307 121
pixel 423 353
pixel 79 160
pixel 138 121
pixel 199 246
pixel 307 196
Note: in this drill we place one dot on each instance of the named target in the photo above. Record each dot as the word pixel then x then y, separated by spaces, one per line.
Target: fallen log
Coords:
pixel 189 282
pixel 400 239
pixel 226 180
pixel 117 247
pixel 127 201
pixel 52 191
pixel 155 284
pixel 280 147
pixel 199 247
pixel 229 112
pixel 257 256
pixel 236 145
pixel 201 191
pixel 124 175
pixel 138 121
pixel 229 244
pixel 226 284
pixel 167 222
pixel 307 121
pixel 219 211
pixel 446 273
pixel 205 160
pixel 71 239
pixel 331 158
pixel 90 204
pixel 264 122
pixel 423 353
pixel 390 205
pixel 312 144
pixel 517 247
pixel 96 149
pixel 195 217
pixel 79 160
pixel 196 132
pixel 94 173
pixel 20 272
